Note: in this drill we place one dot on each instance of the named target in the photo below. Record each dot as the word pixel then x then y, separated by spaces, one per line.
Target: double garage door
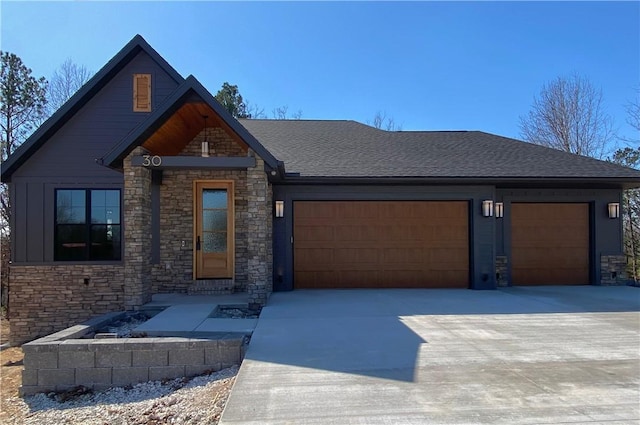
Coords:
pixel 363 244
pixel 425 244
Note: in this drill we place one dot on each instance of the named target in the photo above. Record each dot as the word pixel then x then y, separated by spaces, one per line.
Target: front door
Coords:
pixel 213 229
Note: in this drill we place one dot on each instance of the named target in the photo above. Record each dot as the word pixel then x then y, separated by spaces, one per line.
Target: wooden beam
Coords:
pixel 156 162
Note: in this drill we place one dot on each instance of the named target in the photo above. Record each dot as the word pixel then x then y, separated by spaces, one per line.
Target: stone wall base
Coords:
pixel 502 271
pixel 613 270
pixel 46 299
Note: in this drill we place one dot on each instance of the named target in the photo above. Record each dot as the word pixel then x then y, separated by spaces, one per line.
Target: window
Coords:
pixel 141 92
pixel 87 225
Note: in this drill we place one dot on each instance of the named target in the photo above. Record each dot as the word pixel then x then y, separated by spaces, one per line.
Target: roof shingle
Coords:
pixel 351 149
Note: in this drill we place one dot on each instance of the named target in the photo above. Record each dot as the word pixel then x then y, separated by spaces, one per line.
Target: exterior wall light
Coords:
pixel 613 209
pixel 487 208
pixel 279 210
pixel 499 210
pixel 205 142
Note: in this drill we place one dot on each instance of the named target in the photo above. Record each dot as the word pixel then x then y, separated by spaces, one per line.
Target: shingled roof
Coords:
pixel 351 149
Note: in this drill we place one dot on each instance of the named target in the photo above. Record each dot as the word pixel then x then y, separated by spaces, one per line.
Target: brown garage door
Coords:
pixel 550 244
pixel 366 244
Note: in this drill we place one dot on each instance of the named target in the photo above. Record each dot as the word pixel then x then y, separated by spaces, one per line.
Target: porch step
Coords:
pixel 211 287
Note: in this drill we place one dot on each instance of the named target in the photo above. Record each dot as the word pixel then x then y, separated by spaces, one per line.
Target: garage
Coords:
pixel 550 243
pixel 381 244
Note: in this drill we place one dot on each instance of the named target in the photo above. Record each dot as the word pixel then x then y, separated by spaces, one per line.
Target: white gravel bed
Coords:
pixel 199 400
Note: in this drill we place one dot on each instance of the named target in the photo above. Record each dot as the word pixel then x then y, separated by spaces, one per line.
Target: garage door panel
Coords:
pixel 382 244
pixel 550 243
pixel 356 255
pixel 313 258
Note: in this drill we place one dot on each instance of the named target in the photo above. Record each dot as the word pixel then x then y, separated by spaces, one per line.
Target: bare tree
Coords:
pixel 282 113
pixel 255 112
pixel 66 80
pixel 633 117
pixel 568 115
pixel 383 122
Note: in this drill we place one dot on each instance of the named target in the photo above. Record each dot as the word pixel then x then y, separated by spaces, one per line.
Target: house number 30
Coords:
pixel 151 161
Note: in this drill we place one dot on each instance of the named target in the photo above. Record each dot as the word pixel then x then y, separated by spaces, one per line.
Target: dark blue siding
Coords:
pixel 68 158
pixel 95 129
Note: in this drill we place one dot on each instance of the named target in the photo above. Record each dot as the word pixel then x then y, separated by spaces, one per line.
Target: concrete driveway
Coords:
pixel 532 355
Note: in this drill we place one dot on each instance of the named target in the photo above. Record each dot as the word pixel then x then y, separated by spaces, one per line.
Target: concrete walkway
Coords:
pixel 511 356
pixel 190 316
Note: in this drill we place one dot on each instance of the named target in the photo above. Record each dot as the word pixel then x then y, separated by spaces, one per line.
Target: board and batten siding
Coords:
pixel 68 158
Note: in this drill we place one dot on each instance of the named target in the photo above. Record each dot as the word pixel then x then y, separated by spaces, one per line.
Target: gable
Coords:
pixel 169 129
pixel 98 114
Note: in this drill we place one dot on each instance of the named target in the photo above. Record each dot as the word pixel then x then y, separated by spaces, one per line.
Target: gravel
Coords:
pixel 199 400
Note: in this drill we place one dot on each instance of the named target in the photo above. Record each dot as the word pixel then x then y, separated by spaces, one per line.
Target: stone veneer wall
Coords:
pixel 137 233
pixel 46 299
pixel 502 270
pixel 613 270
pixel 252 203
pixel 260 236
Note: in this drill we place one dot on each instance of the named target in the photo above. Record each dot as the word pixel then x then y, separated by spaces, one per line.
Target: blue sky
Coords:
pixel 430 65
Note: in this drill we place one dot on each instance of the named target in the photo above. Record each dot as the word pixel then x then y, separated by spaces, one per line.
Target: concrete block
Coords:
pixel 29 377
pixel 113 359
pixel 150 358
pixel 30 390
pixel 74 345
pixel 195 370
pixel 202 343
pixel 134 344
pixel 230 342
pixel 107 345
pixel 171 344
pixel 40 347
pixel 56 378
pixel 186 357
pixel 42 360
pixel 74 359
pixel 94 375
pixel 129 375
pixel 157 373
pixel 229 356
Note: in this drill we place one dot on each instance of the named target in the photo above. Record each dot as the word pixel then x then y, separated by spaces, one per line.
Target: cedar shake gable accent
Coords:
pixel 190 92
pixel 142 92
pixel 79 100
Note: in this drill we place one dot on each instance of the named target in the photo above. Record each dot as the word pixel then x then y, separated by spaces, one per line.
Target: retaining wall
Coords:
pixel 62 361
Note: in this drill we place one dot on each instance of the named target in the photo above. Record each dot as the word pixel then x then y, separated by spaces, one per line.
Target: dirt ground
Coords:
pixel 10 375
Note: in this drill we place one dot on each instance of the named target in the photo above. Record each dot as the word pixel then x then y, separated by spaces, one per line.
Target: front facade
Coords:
pixel 142 184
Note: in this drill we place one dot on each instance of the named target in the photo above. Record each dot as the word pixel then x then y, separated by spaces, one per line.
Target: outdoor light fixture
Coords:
pixel 205 143
pixel 499 210
pixel 279 209
pixel 487 208
pixel 614 209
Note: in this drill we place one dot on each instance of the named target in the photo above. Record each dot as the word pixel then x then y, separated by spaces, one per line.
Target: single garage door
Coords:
pixel 367 244
pixel 550 244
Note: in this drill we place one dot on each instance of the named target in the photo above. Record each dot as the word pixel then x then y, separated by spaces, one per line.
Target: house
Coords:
pixel 142 184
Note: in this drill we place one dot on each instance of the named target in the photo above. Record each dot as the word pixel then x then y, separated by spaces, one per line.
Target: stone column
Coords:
pixel 137 233
pixel 259 244
pixel 502 267
pixel 613 270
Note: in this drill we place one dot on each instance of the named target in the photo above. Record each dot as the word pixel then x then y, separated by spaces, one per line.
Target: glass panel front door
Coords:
pixel 213 230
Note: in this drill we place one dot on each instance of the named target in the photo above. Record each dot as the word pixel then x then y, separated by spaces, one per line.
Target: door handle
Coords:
pixel 198 244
